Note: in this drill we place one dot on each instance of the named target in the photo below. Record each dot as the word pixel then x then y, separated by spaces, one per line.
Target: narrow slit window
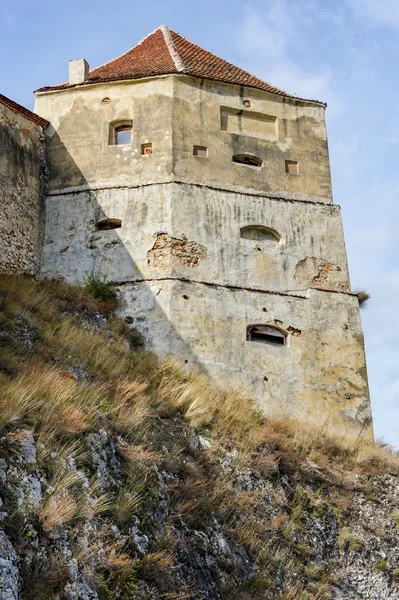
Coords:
pixel 259 233
pixel 106 224
pixel 201 151
pixel 266 334
pixel 247 159
pixel 292 167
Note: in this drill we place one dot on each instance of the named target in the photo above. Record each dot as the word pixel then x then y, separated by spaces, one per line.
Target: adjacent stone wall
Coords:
pixel 22 189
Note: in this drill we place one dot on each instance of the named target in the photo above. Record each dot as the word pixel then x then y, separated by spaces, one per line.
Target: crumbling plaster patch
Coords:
pixel 317 272
pixel 168 252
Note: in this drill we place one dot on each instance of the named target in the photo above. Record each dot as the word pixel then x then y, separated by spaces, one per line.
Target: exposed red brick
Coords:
pixel 164 52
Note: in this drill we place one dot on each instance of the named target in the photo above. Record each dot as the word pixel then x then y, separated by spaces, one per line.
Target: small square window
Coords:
pixel 201 151
pixel 123 135
pixel 292 167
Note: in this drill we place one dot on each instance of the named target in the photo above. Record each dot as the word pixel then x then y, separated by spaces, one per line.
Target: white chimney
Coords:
pixel 78 71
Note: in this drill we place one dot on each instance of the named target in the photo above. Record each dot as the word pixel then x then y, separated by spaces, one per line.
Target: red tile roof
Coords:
pixel 164 52
pixel 23 111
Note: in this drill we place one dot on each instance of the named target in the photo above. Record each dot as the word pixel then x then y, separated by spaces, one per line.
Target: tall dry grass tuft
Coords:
pixel 70 344
pixel 58 510
pixel 231 415
pixel 125 506
pixel 46 398
pixel 235 420
pixel 131 408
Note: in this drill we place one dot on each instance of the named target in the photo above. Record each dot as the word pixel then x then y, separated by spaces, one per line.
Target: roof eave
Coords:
pixel 66 86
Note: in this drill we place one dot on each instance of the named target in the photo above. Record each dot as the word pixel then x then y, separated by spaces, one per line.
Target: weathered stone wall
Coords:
pixel 189 279
pixel 22 189
pixel 175 113
pixel 193 232
pixel 299 134
pixel 320 374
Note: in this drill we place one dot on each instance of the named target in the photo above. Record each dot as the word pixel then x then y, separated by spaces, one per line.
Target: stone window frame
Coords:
pixel 267 340
pixel 120 125
pixel 247 159
pixel 275 236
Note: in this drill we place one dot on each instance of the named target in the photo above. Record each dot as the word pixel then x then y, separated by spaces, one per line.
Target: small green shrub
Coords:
pixel 97 287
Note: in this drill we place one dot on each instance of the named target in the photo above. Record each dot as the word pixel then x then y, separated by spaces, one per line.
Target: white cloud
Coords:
pixel 268 41
pixel 377 12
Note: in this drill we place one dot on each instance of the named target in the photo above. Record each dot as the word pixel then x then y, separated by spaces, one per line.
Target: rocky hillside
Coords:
pixel 123 479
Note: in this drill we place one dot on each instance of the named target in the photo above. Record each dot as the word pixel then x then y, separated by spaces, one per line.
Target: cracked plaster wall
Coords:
pixel 320 375
pixel 181 220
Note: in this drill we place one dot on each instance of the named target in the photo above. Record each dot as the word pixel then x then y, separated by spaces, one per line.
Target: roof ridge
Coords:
pixel 174 54
pixel 130 49
pixel 235 66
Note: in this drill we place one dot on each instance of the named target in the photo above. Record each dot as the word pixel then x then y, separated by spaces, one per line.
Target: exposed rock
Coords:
pixel 9 569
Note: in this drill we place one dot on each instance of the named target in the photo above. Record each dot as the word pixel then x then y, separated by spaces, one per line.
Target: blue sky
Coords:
pixel 344 52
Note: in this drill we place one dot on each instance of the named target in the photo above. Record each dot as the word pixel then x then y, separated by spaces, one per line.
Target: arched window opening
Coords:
pixel 106 224
pixel 259 233
pixel 266 334
pixel 248 159
pixel 121 133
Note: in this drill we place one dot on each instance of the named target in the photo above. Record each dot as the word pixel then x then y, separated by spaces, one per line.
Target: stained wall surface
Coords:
pixel 187 231
pixel 191 267
pixel 22 190
pixel 320 374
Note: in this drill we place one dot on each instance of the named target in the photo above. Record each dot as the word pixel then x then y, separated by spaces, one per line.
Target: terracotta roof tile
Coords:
pixel 23 111
pixel 165 52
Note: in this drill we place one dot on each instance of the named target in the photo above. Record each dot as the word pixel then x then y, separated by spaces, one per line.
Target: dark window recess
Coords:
pixel 259 233
pixel 106 224
pixel 247 159
pixel 266 334
pixel 201 151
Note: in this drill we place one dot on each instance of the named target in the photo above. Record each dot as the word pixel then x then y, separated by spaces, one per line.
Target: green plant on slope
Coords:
pixel 97 286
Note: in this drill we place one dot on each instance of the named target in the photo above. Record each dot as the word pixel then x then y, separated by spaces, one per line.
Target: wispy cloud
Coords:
pixel 268 40
pixel 377 12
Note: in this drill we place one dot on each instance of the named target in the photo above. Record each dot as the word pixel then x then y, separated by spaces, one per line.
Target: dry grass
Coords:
pixel 125 506
pixel 231 416
pixel 59 510
pixel 44 396
pixel 138 454
pixel 131 408
pixel 156 409
pixel 235 421
pixel 363 297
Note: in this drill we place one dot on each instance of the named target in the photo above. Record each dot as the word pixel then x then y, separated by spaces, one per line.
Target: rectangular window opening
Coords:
pixel 201 151
pixel 247 159
pixel 292 167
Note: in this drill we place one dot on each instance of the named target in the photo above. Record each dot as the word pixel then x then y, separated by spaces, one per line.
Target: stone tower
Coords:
pixel 203 193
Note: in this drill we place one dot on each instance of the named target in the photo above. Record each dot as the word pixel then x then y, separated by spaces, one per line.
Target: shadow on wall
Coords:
pixel 111 232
